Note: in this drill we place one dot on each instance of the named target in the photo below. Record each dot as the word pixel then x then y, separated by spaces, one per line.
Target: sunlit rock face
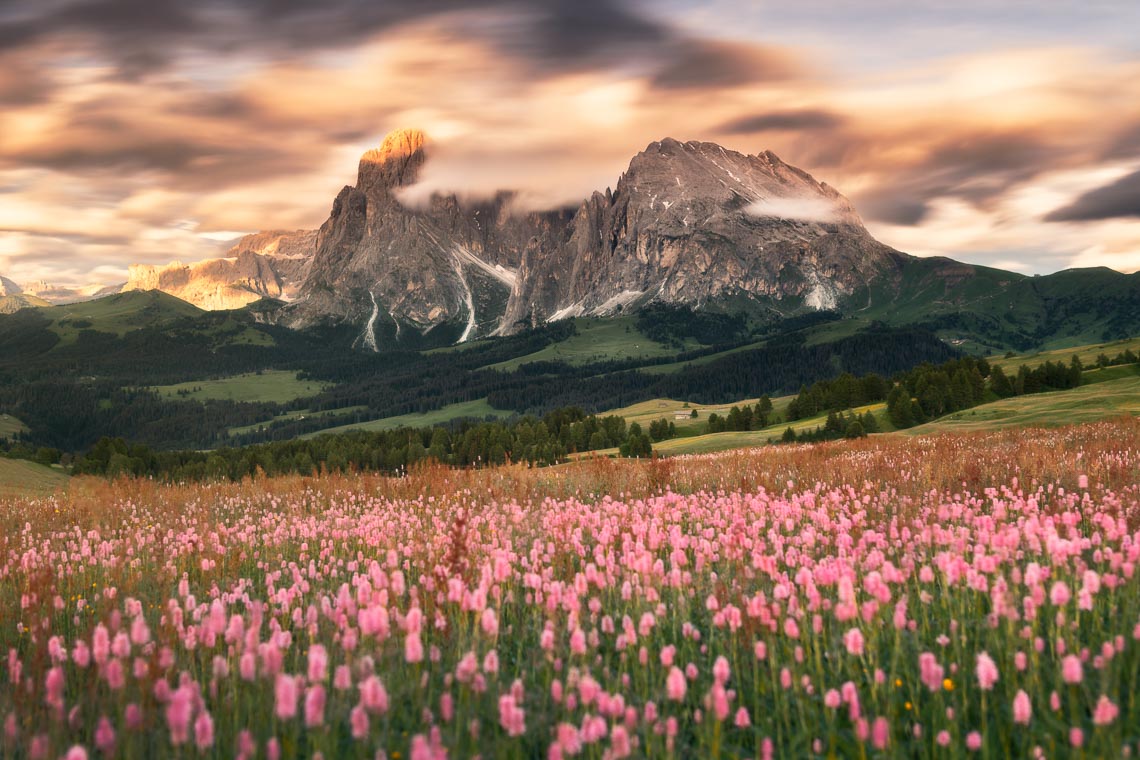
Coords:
pixel 391 268
pixel 263 265
pixel 693 224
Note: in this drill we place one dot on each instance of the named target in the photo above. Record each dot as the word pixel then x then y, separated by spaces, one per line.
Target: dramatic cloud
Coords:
pixel 808 119
pixel 146 131
pixel 1120 199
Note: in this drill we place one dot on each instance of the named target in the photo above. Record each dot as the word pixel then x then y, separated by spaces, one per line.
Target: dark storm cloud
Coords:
pixel 794 121
pixel 1119 200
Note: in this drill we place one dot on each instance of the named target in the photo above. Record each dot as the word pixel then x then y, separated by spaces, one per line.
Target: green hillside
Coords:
pixel 478 409
pixel 274 386
pixel 118 314
pixel 982 309
pixel 596 340
pixel 1089 403
pixel 1086 353
pixel 21 478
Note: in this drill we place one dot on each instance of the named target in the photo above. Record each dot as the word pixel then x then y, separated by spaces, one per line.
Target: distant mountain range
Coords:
pixel 688 224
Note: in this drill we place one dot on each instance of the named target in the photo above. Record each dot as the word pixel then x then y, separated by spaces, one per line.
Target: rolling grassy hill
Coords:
pixel 21 478
pixel 709 442
pixel 478 409
pixel 665 408
pixel 1089 403
pixel 117 314
pixel 276 386
pixel 1087 354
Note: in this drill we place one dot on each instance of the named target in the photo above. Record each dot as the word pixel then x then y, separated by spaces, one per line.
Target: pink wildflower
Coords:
pixel 315 706
pixel 1022 708
pixel 318 663
pixel 1072 671
pixel 204 731
pixel 675 684
pixel 987 672
pixel 285 696
pixel 880 733
pixel 1106 712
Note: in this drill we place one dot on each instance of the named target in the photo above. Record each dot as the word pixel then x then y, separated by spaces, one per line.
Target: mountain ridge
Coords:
pixel 690 224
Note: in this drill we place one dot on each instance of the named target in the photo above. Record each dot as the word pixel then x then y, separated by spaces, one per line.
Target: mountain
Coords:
pixel 263 265
pixel 695 224
pixel 402 272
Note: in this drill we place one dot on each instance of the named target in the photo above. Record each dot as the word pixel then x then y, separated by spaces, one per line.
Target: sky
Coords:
pixel 999 132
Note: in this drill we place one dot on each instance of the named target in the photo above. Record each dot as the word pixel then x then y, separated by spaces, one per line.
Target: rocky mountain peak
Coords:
pixel 395 163
pixel 672 175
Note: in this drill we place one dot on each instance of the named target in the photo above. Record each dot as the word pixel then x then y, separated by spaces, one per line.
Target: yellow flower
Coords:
pixel 898 682
pixel 947 684
pixel 909 706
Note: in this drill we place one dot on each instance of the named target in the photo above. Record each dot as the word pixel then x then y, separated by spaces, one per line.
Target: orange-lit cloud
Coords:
pixel 150 140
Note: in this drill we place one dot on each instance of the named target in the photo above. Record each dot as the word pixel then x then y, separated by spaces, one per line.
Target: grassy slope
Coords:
pixel 300 414
pixel 477 409
pixel 667 408
pixel 21 478
pixel 597 340
pixel 118 314
pixel 277 386
pixel 1089 403
pixel 1106 393
pixel 703 444
pixel 10 426
pixel 1087 354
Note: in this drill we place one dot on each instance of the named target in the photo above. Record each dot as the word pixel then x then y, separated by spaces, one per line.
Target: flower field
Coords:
pixel 928 597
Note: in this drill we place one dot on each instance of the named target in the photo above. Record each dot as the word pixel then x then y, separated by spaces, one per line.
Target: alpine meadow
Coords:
pixel 569 379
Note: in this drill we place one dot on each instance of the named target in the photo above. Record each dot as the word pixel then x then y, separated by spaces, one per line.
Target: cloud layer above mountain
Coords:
pixel 141 131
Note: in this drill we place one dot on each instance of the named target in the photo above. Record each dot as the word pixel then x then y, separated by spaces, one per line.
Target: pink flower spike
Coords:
pixel 987 672
pixel 204 731
pixel 1106 712
pixel 1072 672
pixel 1022 708
pixel 675 685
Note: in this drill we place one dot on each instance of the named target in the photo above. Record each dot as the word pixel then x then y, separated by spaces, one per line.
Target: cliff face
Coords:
pixel 391 268
pixel 264 265
pixel 693 223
